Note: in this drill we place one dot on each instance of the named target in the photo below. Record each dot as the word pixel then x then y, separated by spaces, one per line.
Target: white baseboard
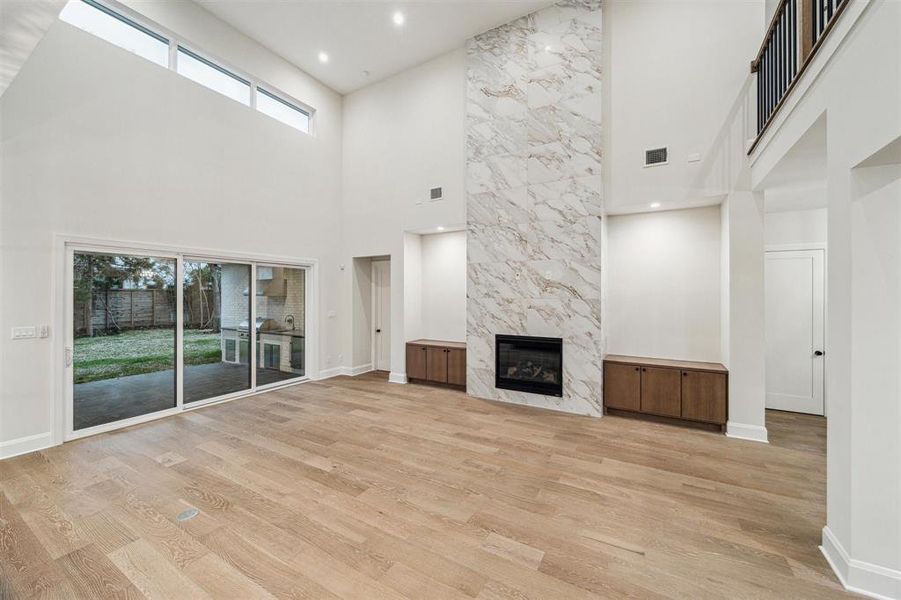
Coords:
pixel 857 576
pixel 348 371
pixel 26 444
pixel 359 370
pixel 743 431
pixel 394 377
pixel 329 373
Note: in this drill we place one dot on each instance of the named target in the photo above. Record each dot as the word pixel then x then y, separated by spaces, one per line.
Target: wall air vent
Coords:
pixel 436 194
pixel 657 156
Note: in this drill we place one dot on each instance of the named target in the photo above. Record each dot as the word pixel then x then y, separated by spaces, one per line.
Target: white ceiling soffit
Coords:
pixel 805 162
pixel 22 25
pixel 360 37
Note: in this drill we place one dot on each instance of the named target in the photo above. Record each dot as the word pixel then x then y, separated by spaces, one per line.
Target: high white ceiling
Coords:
pixel 22 25
pixel 360 35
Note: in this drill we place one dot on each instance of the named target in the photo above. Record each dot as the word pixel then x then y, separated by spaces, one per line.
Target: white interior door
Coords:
pixel 795 313
pixel 381 315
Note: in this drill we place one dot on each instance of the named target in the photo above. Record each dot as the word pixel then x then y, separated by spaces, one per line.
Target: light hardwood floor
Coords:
pixel 356 488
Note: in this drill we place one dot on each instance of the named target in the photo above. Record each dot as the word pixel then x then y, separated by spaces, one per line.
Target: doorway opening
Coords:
pixel 371 314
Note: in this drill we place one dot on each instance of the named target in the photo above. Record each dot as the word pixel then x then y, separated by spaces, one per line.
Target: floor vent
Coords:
pixel 657 156
pixel 188 514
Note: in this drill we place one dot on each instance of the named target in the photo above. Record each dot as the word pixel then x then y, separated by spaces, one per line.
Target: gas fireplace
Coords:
pixel 529 364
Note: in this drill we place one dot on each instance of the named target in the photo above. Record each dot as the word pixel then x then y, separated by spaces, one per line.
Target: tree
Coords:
pixel 101 273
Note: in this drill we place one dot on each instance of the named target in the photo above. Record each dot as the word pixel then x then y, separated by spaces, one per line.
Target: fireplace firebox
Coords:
pixel 529 364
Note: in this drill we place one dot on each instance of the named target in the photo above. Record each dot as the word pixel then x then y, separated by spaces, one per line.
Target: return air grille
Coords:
pixel 657 156
pixel 436 193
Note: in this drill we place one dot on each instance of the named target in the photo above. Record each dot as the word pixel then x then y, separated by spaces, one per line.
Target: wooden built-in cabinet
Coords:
pixel 687 390
pixel 437 361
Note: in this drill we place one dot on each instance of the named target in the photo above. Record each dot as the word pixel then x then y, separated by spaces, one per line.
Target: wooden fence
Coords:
pixel 122 310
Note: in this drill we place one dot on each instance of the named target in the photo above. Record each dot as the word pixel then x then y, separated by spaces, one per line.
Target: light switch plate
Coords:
pixel 24 333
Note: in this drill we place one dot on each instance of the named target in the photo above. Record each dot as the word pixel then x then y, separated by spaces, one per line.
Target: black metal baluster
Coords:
pixel 793 4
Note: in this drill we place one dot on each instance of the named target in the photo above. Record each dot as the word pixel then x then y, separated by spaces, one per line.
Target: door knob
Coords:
pixel 818 353
pixel 378 330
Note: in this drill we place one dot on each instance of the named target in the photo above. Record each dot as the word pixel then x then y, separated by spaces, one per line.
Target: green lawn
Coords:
pixel 141 351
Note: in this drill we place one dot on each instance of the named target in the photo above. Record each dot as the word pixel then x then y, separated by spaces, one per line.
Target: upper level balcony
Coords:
pixel 795 34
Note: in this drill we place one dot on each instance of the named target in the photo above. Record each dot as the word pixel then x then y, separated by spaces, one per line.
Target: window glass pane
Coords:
pixel 283 111
pixel 280 298
pixel 216 305
pixel 124 330
pixel 205 73
pixel 119 31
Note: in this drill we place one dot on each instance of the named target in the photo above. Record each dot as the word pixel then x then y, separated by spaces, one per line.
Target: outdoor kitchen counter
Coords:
pixel 286 332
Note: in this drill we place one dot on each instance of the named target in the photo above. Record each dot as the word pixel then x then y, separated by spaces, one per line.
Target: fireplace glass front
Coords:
pixel 529 364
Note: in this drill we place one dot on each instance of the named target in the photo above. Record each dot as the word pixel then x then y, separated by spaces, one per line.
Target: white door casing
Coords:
pixel 381 315
pixel 795 314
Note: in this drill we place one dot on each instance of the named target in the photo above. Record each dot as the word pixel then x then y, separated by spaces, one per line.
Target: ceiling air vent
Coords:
pixel 436 194
pixel 657 156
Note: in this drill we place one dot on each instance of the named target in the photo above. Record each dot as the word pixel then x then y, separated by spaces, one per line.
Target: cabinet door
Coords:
pixel 456 366
pixel 436 364
pixel 622 386
pixel 416 368
pixel 661 391
pixel 704 396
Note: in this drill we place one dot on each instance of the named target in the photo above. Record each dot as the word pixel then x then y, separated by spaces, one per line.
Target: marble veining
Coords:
pixel 534 203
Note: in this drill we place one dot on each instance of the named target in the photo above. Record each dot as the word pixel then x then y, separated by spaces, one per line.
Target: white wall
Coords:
pixel 444 286
pixel 862 538
pixel 796 227
pixel 674 68
pixel 361 311
pixel 743 338
pixel 663 284
pixel 402 137
pixel 98 142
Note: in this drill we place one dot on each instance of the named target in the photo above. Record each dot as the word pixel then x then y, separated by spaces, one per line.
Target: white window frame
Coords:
pixel 63 275
pixel 118 10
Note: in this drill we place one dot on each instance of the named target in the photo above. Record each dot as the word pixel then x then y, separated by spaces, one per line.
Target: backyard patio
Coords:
pixel 132 374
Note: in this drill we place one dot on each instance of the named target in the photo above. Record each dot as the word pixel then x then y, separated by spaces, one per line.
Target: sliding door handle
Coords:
pixel 818 353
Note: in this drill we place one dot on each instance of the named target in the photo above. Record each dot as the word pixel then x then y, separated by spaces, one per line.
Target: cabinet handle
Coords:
pixel 637 369
pixel 643 369
pixel 684 374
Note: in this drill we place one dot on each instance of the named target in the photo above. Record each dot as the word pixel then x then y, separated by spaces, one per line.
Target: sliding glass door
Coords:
pixel 216 301
pixel 124 337
pixel 281 326
pixel 232 326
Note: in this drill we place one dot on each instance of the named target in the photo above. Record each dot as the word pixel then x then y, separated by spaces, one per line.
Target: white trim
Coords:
pixel 247 394
pixel 395 377
pixel 24 445
pixel 64 248
pixel 743 431
pixel 359 370
pixel 857 576
pixel 176 40
pixel 795 247
pixel 329 373
pixel 831 45
pixel 180 332
pixel 121 424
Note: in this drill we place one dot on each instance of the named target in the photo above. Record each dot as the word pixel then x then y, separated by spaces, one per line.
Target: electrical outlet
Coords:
pixel 24 333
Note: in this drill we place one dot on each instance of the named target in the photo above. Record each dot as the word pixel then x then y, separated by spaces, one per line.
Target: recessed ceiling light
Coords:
pixel 547 48
pixel 440 228
pixel 323 57
pixel 655 205
pixel 399 18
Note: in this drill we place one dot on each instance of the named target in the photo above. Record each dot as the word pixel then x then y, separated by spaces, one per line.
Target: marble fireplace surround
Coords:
pixel 534 204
